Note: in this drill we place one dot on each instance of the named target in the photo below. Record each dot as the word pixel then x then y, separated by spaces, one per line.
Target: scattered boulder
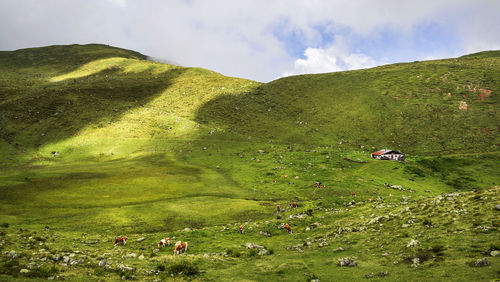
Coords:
pixel 125 268
pixel 131 255
pixel 298 248
pixel 497 207
pixel 140 239
pixel 347 262
pixel 264 233
pixel 412 243
pixel 323 244
pixel 253 246
pixel 262 250
pixel 56 257
pixel 370 275
pixel 482 262
pixel 495 253
pixel 382 274
pixel 415 262
pixel 24 270
pixel 102 263
pixel 339 249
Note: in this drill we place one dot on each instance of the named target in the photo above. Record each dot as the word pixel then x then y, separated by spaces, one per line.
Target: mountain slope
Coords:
pixel 421 107
pixel 98 142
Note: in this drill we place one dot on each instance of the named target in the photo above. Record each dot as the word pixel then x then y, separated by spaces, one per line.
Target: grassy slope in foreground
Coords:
pixel 146 149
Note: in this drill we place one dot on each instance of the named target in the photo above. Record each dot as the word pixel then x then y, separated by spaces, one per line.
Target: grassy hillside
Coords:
pixel 97 141
pixel 414 107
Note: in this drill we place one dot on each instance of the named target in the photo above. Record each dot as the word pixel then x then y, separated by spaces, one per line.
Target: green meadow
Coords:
pixel 98 142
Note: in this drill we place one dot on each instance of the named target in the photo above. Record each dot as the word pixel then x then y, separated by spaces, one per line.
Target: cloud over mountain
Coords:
pixel 260 40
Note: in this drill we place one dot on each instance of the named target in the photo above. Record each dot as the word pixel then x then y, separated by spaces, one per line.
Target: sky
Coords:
pixel 261 39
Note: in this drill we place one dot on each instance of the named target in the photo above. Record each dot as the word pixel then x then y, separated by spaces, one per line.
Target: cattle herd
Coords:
pixel 181 247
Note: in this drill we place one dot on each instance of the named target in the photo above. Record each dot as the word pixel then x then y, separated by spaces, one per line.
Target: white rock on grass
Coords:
pixel 412 243
pixel 482 262
pixel 347 262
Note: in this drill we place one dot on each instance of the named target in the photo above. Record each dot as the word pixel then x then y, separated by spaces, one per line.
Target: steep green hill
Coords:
pixel 98 141
pixel 422 107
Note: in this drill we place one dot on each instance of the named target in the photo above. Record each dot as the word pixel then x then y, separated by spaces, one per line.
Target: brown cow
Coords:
pixel 353 194
pixel 293 205
pixel 180 247
pixel 119 240
pixel 278 208
pixel 242 229
pixel 164 242
pixel 288 228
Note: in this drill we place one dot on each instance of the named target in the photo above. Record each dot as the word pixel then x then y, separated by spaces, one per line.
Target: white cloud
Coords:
pixel 121 3
pixel 334 58
pixel 237 38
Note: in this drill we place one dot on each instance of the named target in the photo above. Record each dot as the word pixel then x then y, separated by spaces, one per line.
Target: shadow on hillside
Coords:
pixel 47 112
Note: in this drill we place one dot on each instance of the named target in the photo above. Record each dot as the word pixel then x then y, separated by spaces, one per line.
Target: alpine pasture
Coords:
pixel 98 142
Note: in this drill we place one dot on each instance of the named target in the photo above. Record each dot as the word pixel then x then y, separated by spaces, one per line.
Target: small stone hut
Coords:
pixel 386 154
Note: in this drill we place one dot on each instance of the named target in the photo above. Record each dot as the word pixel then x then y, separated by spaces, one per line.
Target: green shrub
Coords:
pixel 427 222
pixel 160 267
pixel 414 170
pixel 10 267
pixel 233 252
pixel 43 272
pixel 463 183
pixel 253 252
pixel 183 267
pixel 98 271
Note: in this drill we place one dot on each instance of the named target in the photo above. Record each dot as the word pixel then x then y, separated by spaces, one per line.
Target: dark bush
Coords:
pixel 253 252
pixel 463 183
pixel 43 272
pixel 160 267
pixel 183 267
pixel 413 170
pixel 10 267
pixel 427 222
pixel 233 252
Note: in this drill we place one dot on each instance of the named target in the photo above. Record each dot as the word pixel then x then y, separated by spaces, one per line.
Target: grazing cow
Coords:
pixel 164 242
pixel 278 208
pixel 119 240
pixel 288 228
pixel 317 184
pixel 371 199
pixel 274 181
pixel 180 247
pixel 293 205
pixel 242 229
pixel 285 175
pixel 353 194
